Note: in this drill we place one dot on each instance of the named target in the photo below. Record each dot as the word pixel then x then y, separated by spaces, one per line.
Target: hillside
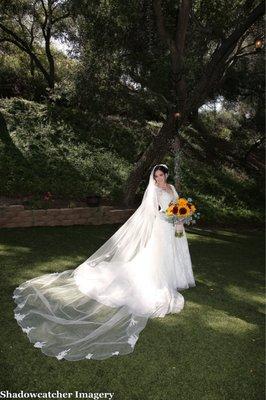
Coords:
pixel 72 154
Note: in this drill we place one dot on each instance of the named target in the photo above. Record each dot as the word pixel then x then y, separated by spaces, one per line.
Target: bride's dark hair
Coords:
pixel 162 168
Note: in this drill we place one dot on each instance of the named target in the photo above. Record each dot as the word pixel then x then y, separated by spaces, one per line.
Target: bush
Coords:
pixel 58 154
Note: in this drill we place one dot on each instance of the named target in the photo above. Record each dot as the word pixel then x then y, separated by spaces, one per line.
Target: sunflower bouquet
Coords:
pixel 179 212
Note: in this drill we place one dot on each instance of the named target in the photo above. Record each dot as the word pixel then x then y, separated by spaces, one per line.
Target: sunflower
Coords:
pixel 169 210
pixel 175 210
pixel 193 208
pixel 184 211
pixel 182 202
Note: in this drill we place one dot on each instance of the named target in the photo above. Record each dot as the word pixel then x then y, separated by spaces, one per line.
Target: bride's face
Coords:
pixel 160 176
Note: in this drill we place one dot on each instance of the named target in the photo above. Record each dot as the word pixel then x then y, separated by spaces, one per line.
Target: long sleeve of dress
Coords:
pixel 175 192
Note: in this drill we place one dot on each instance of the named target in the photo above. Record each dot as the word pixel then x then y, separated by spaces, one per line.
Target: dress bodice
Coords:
pixel 164 197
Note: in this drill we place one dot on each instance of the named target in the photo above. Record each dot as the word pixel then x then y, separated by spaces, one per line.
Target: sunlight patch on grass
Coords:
pixel 192 306
pixel 10 250
pixel 256 274
pixel 199 233
pixel 206 282
pixel 240 293
pixel 63 262
pixel 207 239
pixel 224 323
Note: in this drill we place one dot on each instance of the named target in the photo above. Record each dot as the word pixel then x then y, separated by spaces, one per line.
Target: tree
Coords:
pixel 228 45
pixel 178 53
pixel 30 25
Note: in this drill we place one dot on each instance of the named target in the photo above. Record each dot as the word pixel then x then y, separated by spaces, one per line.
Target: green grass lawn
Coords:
pixel 212 350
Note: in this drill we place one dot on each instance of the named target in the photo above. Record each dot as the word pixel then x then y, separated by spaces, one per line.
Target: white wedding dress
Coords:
pixel 99 309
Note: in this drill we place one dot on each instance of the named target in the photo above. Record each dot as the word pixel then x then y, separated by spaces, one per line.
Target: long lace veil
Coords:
pixel 133 235
pixel 64 322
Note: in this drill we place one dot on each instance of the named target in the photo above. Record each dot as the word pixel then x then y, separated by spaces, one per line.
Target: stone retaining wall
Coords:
pixel 16 216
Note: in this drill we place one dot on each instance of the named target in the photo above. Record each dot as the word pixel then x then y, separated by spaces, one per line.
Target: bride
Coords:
pixel 99 309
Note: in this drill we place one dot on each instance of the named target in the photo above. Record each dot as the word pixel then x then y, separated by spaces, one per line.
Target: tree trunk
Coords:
pixel 154 154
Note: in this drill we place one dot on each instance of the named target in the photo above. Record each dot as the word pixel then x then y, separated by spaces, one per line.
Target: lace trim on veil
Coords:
pixel 64 322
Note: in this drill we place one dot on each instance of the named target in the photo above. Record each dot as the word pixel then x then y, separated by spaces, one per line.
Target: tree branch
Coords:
pixel 217 64
pixel 24 46
pixel 66 15
pixel 166 38
pixel 44 23
pixel 202 28
pixel 231 41
pixel 182 25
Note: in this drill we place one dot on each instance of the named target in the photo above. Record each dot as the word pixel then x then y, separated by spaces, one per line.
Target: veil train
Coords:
pixel 98 309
